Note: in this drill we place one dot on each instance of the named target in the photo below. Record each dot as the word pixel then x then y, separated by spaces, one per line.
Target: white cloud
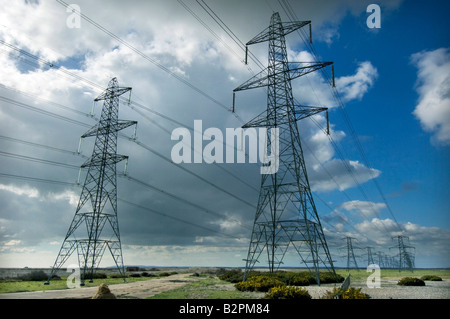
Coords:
pixel 365 208
pixel 355 86
pixel 70 196
pixel 433 87
pixel 340 174
pixel 27 191
pixel 12 242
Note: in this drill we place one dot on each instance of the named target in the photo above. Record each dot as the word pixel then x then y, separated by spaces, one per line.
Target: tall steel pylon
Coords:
pixel 100 189
pixel 405 253
pixel 286 214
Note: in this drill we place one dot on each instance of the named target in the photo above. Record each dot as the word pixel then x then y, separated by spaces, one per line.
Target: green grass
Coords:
pixel 7 286
pixel 209 287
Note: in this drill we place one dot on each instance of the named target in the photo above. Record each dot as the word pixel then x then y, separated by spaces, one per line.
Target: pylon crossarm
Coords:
pixel 112 92
pixel 109 158
pixel 295 70
pixel 97 129
pixel 300 112
pixel 298 69
pixel 287 28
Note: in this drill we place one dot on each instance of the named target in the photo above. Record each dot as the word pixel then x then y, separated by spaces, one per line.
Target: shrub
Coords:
pixel 329 278
pixel 350 293
pixel 431 278
pixel 135 275
pixel 411 281
pixel 287 292
pixel 258 283
pixel 300 279
pixel 146 274
pixel 37 275
pixel 165 274
pixel 232 276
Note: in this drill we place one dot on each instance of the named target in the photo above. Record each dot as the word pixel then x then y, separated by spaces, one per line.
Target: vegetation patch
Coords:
pixel 431 278
pixel 411 281
pixel 288 278
pixel 233 276
pixel 351 293
pixel 37 275
pixel 259 283
pixel 287 292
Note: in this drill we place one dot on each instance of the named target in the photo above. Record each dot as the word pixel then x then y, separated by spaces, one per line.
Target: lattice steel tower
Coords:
pixel 405 253
pixel 350 253
pixel 286 215
pixel 87 233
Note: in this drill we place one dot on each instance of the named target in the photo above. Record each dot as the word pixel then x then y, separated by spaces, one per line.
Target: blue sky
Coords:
pixel 386 77
pixel 395 142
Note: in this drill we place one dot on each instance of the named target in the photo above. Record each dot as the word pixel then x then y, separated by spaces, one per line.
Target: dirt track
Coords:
pixel 140 289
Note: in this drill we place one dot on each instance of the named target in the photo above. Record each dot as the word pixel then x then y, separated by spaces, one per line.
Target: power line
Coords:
pixel 177 219
pixel 292 16
pixel 141 144
pixel 148 58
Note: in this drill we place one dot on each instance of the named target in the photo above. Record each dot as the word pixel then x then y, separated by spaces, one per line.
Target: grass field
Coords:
pixel 7 286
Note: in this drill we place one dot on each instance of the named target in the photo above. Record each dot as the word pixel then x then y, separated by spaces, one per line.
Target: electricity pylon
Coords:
pixel 100 189
pixel 350 253
pixel 286 214
pixel 370 259
pixel 405 253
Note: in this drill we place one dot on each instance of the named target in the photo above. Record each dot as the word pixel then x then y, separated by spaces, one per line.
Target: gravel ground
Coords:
pixel 390 290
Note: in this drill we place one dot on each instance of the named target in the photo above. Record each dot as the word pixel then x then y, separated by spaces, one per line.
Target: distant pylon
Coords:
pixel 370 259
pixel 351 259
pixel 405 253
pixel 286 214
pixel 100 189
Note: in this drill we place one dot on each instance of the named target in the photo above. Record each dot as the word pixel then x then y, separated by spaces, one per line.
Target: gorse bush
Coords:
pixel 350 293
pixel 431 278
pixel 330 278
pixel 287 292
pixel 411 281
pixel 289 278
pixel 259 283
pixel 232 276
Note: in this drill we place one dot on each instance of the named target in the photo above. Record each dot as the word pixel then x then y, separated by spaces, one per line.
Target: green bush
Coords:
pixel 37 275
pixel 232 276
pixel 431 278
pixel 330 278
pixel 146 274
pixel 411 281
pixel 259 283
pixel 289 278
pixel 287 292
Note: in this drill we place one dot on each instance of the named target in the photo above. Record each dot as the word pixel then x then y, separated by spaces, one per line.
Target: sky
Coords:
pixel 382 172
